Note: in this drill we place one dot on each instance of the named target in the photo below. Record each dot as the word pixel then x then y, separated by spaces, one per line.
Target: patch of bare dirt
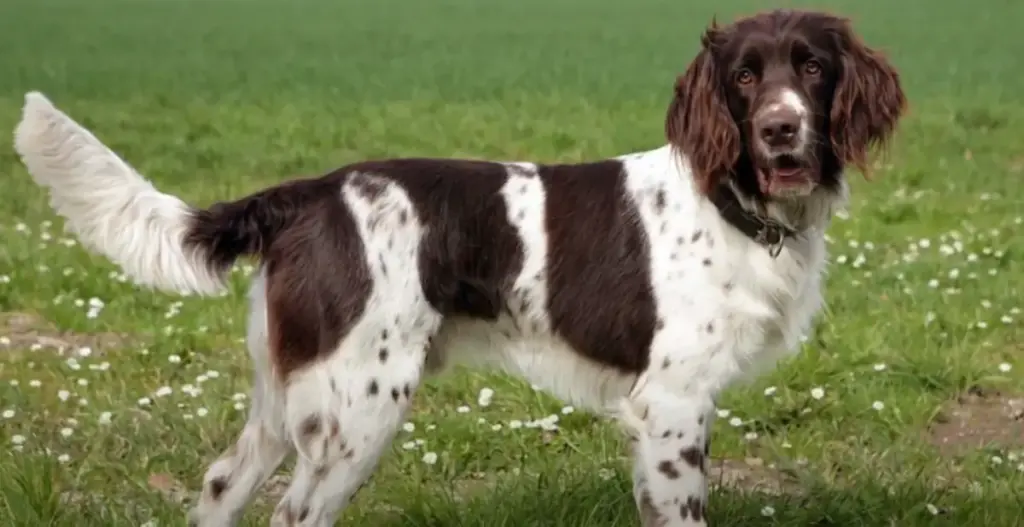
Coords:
pixel 274 489
pixel 1017 165
pixel 750 474
pixel 979 419
pixel 24 331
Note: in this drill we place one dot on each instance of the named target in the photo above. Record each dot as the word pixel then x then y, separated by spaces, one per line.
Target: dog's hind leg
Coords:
pixel 232 480
pixel 343 413
pixel 344 406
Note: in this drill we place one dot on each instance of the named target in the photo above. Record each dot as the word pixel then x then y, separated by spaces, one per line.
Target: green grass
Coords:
pixel 217 98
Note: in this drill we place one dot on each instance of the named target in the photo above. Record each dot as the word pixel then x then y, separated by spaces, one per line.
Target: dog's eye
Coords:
pixel 744 77
pixel 812 67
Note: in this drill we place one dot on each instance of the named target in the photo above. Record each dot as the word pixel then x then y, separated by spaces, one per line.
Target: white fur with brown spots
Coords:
pixel 723 304
pixel 638 287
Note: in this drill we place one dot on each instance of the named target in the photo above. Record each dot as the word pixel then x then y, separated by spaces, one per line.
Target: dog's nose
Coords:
pixel 779 127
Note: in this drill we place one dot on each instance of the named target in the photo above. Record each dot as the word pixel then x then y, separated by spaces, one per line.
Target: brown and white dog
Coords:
pixel 638 286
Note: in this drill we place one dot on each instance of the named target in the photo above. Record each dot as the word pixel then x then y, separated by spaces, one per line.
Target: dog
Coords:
pixel 637 286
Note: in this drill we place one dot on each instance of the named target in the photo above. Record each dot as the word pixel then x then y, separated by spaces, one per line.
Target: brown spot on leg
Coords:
pixel 668 468
pixel 649 514
pixel 695 508
pixel 693 457
pixel 374 388
pixel 217 487
pixel 310 426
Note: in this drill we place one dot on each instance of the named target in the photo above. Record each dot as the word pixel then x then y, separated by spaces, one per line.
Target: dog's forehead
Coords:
pixel 775 30
pixel 759 42
pixel 769 42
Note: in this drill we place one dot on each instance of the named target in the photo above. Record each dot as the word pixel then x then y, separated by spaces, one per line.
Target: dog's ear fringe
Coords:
pixel 699 123
pixel 868 102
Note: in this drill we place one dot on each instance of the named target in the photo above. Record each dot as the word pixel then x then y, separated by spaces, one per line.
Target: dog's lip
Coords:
pixel 787 173
pixel 787 166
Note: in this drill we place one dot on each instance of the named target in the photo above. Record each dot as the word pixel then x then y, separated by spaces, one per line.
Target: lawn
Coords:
pixel 905 407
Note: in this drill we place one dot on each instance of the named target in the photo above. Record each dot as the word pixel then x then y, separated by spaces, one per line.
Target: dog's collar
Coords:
pixel 764 231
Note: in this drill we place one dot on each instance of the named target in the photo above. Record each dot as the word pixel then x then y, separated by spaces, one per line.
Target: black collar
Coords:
pixel 764 231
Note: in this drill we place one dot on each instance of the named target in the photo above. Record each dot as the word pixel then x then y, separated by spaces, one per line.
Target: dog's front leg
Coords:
pixel 671 438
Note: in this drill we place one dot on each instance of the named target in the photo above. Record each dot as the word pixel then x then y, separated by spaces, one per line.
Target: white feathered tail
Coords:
pixel 157 239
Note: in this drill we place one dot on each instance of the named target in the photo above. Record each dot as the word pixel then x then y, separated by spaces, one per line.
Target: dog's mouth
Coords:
pixel 787 166
pixel 785 173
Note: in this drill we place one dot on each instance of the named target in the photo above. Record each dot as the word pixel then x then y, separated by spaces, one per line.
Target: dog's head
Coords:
pixel 780 102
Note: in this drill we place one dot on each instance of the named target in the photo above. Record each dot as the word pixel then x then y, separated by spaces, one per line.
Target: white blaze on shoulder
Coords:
pixel 524 200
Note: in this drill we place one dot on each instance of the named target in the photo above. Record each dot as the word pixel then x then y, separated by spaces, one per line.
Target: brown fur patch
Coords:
pixel 600 297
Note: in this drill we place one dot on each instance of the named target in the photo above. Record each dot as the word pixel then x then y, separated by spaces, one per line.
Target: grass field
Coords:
pixel 898 412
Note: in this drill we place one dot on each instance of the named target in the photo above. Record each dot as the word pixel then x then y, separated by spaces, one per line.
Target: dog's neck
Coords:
pixel 798 214
pixel 770 221
pixel 767 221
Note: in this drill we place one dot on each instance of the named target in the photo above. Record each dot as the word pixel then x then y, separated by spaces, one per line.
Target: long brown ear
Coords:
pixel 868 100
pixel 699 122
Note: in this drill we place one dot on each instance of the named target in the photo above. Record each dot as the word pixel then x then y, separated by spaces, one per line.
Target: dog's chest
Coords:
pixel 724 301
pixel 735 317
pixel 780 294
